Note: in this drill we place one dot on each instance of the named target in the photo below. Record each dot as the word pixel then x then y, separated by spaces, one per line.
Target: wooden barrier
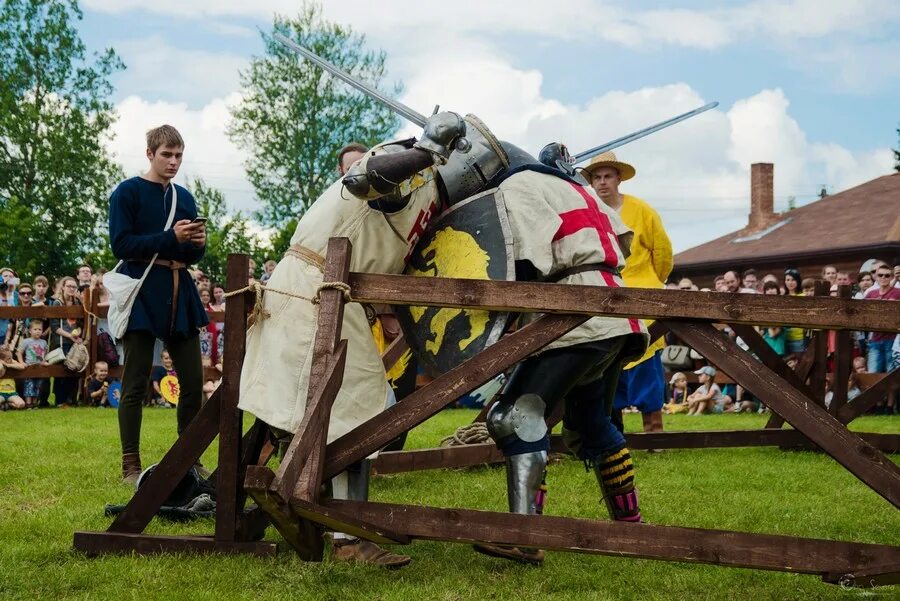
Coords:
pixel 290 496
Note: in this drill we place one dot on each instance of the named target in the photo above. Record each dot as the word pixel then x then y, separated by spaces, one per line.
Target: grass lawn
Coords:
pixel 59 467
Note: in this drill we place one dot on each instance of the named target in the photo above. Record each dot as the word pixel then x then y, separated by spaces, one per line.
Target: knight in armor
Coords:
pixel 562 232
pixel 383 204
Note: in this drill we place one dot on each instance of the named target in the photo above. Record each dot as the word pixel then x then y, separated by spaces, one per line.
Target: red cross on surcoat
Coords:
pixel 593 218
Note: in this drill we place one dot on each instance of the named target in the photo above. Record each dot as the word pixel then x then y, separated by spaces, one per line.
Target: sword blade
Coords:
pixel 591 153
pixel 398 107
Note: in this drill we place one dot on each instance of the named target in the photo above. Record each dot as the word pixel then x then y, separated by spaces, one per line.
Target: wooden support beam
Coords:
pixel 93 544
pixel 339 521
pixel 869 397
pixel 803 369
pixel 425 402
pixel 669 543
pixel 315 422
pixel 304 536
pixel 859 457
pixel 393 352
pixel 168 473
pixel 769 357
pixel 230 422
pixel 843 348
pixel 328 334
pixel 646 303
pixel 867 578
pixel 394 462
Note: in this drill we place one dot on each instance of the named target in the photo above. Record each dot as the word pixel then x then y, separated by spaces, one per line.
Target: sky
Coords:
pixel 812 86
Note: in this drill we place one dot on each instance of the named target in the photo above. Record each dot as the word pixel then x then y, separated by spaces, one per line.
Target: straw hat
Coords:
pixel 608 159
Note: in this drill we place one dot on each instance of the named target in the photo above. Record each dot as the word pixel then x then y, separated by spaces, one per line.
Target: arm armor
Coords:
pixel 376 176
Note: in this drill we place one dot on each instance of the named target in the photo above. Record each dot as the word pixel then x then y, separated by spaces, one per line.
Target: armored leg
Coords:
pixel 525 487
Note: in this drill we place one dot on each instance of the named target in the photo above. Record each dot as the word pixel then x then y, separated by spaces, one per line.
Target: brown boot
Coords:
pixel 364 551
pixel 534 557
pixel 131 468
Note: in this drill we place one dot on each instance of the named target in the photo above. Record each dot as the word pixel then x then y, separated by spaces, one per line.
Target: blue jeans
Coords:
pixel 879 357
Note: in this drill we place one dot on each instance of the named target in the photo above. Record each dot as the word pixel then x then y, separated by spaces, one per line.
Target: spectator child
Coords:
pixel 268 268
pixel 157 375
pixel 9 398
pixel 859 365
pixel 98 385
pixel 709 396
pixel 678 402
pixel 33 352
pixel 218 303
pixel 809 286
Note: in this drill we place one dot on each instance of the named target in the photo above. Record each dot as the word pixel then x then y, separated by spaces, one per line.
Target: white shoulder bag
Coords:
pixel 123 289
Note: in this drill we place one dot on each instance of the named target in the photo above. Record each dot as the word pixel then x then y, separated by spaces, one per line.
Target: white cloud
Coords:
pixel 209 153
pixel 157 69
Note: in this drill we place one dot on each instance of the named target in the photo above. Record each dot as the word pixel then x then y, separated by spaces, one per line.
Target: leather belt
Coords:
pixel 174 266
pixel 560 275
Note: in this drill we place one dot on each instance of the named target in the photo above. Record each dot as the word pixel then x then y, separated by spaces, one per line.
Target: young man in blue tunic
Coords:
pixel 167 306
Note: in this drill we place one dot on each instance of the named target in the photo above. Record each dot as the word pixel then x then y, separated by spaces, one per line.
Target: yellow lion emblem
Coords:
pixel 453 254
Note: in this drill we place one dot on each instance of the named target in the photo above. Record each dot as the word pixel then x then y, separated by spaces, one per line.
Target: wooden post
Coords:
pixel 228 493
pixel 843 349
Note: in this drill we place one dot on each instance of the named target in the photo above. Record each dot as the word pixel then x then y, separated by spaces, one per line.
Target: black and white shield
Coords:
pixel 470 240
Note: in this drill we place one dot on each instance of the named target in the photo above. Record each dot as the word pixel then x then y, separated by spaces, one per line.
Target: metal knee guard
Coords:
pixel 524 480
pixel 522 420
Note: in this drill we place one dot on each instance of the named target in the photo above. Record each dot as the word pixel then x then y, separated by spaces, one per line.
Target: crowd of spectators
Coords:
pixel 28 341
pixel 873 352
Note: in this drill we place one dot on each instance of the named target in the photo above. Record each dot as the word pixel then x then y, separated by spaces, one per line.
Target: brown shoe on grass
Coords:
pixel 131 468
pixel 364 551
pixel 534 557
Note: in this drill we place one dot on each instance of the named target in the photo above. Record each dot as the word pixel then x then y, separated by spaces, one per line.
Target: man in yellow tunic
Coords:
pixel 642 383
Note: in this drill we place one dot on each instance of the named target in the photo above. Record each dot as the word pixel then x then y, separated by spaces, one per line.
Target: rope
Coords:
pixel 259 313
pixel 476 433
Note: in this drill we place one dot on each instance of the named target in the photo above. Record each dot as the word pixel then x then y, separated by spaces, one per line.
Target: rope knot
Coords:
pixel 344 288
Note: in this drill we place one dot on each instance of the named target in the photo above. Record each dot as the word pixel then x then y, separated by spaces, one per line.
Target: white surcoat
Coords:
pixel 275 374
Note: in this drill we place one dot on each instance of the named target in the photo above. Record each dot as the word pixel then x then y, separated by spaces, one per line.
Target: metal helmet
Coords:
pixel 467 173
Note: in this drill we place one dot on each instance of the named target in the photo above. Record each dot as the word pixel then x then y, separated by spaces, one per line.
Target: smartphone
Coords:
pixel 199 220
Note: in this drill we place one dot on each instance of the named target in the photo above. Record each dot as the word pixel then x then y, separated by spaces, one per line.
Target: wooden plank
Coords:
pixel 393 353
pixel 804 367
pixel 315 422
pixel 648 541
pixel 174 465
pixel 338 521
pixel 43 312
pixel 42 371
pixel 870 397
pixel 820 344
pixel 843 347
pixel 301 534
pixel 859 457
pixel 425 402
pixel 869 578
pixel 645 303
pixel 230 422
pixel 395 462
pixel 328 334
pixel 769 357
pixel 93 544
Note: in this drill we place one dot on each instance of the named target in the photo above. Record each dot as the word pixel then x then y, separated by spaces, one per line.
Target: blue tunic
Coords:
pixel 138 210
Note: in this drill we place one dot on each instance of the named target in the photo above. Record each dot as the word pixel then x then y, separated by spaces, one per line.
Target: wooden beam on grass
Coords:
pixel 168 473
pixel 425 402
pixel 848 449
pixel 93 544
pixel 646 303
pixel 648 541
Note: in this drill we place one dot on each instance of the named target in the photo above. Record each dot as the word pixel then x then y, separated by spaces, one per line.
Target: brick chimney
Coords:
pixel 762 196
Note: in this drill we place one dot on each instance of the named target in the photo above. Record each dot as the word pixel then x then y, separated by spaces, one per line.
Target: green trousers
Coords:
pixel 136 382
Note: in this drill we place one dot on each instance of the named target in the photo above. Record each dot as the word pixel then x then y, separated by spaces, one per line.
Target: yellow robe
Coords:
pixel 650 261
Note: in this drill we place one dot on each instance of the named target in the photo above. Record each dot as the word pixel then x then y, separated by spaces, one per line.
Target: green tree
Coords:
pixel 294 117
pixel 55 174
pixel 225 233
